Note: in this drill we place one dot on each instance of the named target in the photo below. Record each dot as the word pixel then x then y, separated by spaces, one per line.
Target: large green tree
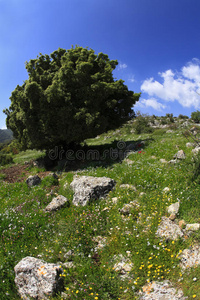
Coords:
pixel 69 96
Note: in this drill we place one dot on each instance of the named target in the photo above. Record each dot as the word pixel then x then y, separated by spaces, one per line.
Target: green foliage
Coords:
pixel 5 159
pixel 69 96
pixel 195 116
pixel 183 116
pixel 142 124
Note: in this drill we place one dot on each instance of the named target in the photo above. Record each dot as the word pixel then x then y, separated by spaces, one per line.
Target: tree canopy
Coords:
pixel 69 96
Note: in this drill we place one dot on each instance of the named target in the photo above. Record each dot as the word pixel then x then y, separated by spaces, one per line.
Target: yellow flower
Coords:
pixel 194 296
pixel 77 292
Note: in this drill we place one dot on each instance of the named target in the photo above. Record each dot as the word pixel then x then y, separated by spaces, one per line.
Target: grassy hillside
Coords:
pixel 6 135
pixel 26 230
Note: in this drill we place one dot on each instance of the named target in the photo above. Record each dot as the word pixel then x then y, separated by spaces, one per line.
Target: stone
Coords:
pixel 181 224
pixel 166 189
pixel 169 131
pixel 163 161
pixel 190 257
pixel 33 180
pixel 172 217
pixel 114 200
pixel 188 145
pixel 173 208
pixel 168 230
pixel 123 265
pixel 196 150
pixel 56 203
pixel 129 161
pixel 88 188
pixel 128 186
pixel 172 161
pixel 160 291
pixel 37 279
pixel 128 208
pixel 180 155
pixel 142 194
pixel 101 242
pixel 192 227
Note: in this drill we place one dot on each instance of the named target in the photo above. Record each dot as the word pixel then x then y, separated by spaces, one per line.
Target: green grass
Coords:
pixel 26 230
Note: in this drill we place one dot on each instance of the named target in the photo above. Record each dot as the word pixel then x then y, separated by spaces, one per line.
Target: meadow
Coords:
pixel 26 230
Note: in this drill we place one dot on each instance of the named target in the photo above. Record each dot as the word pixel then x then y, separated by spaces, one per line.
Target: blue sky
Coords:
pixel 156 43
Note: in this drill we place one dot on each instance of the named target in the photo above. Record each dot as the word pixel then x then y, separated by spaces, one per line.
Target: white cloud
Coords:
pixel 153 103
pixel 122 66
pixel 182 87
pixel 131 79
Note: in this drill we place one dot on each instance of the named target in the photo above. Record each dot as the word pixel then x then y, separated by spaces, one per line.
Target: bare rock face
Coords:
pixel 37 279
pixel 160 291
pixel 56 203
pixel 169 230
pixel 88 188
pixel 33 180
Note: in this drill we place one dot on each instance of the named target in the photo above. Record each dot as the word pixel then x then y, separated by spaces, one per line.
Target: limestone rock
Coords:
pixel 172 217
pixel 169 230
pixel 37 279
pixel 128 208
pixel 190 257
pixel 123 265
pixel 88 188
pixel 188 145
pixel 166 189
pixel 163 161
pixel 180 155
pixel 56 203
pixel 182 224
pixel 192 227
pixel 33 180
pixel 196 150
pixel 128 186
pixel 160 291
pixel 173 208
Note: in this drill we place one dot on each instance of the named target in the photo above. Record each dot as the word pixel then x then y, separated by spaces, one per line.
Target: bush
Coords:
pixel 5 159
pixel 195 116
pixel 183 117
pixel 142 124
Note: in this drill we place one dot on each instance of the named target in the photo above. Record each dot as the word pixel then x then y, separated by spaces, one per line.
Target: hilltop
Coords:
pixel 6 135
pixel 139 241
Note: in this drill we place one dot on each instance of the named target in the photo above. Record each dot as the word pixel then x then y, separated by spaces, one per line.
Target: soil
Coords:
pixel 19 173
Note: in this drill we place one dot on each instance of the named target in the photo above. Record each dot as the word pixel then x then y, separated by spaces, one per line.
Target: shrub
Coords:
pixel 142 124
pixel 5 159
pixel 195 116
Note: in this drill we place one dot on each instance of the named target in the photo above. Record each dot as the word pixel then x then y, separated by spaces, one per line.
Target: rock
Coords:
pixel 172 161
pixel 101 242
pixel 160 291
pixel 182 224
pixel 37 279
pixel 153 157
pixel 188 145
pixel 128 186
pixel 56 203
pixel 180 155
pixel 69 255
pixel 123 265
pixel 33 180
pixel 114 200
pixel 129 161
pixel 172 217
pixel 163 161
pixel 192 227
pixel 166 189
pixel 173 208
pixel 196 150
pixel 169 131
pixel 128 208
pixel 168 230
pixel 190 257
pixel 89 188
pixel 142 194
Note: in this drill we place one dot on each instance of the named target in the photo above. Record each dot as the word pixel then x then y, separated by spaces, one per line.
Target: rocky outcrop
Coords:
pixel 57 203
pixel 169 230
pixel 37 279
pixel 87 188
pixel 190 257
pixel 33 180
pixel 160 291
